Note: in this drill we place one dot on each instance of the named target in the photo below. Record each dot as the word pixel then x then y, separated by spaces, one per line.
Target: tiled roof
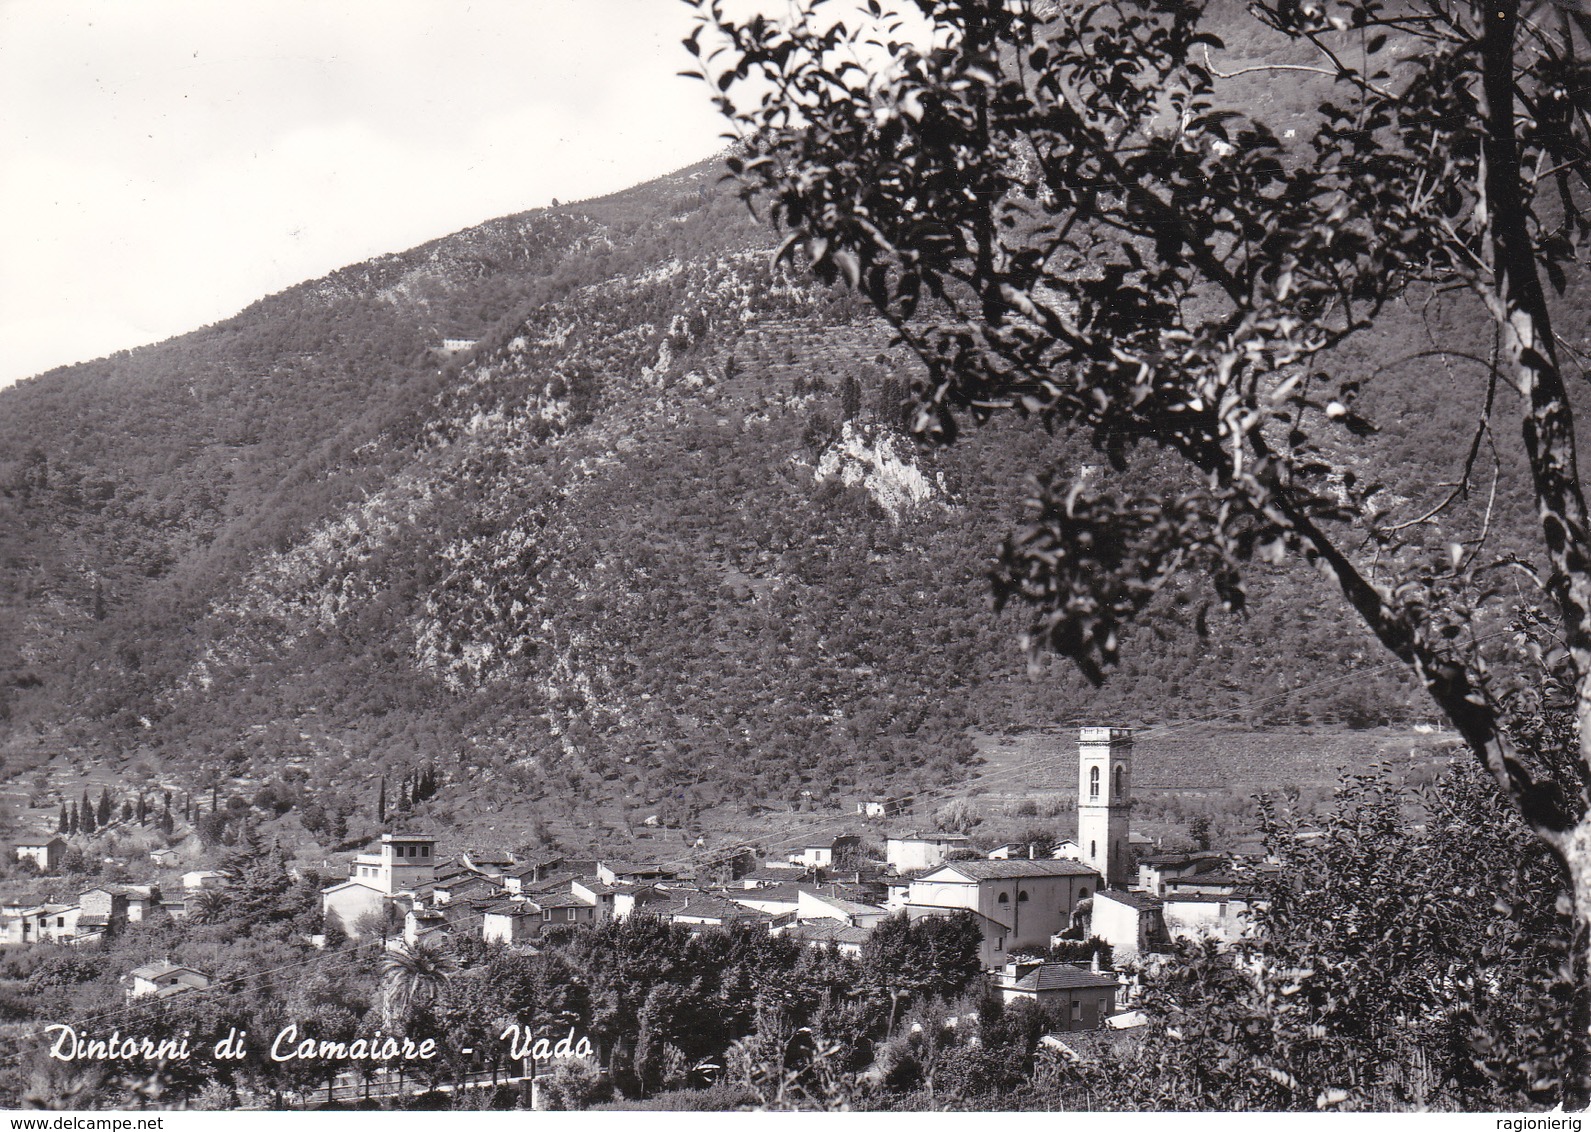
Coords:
pixel 160 970
pixel 1009 870
pixel 776 893
pixel 827 931
pixel 850 907
pixel 561 900
pixel 1063 976
pixel 635 868
pixel 774 873
pixel 707 905
pixel 1203 880
pixel 1139 900
pixel 463 881
pixel 1178 858
pixel 915 835
pixel 510 908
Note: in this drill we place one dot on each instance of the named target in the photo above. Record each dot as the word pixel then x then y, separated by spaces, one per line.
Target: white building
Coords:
pixel 1031 900
pixel 913 852
pixel 1104 801
pixel 401 864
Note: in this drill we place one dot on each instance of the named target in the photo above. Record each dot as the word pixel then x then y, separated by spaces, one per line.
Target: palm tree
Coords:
pixel 411 976
pixel 208 906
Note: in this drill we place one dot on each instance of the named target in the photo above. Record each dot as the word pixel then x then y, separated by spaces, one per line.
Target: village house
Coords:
pixel 464 886
pixel 1131 922
pixel 1154 872
pixel 424 923
pixel 774 899
pixel 355 904
pixel 814 904
pixel 1067 850
pixel 47 854
pixel 39 923
pixel 511 922
pixel 700 909
pixel 821 855
pixel 615 872
pixel 1032 900
pixel 1203 884
pixel 914 852
pixel 630 899
pixel 1073 998
pixel 163 858
pixel 600 896
pixel 530 870
pixel 1200 915
pixel 843 937
pixel 165 979
pixel 202 878
pixel 566 908
pixel 112 905
pixel 401 863
pixel 771 873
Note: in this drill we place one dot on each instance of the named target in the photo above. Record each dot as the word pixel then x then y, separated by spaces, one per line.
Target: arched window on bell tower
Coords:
pixel 1093 782
pixel 1118 792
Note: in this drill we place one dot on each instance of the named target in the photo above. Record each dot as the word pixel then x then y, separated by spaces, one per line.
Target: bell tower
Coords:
pixel 1104 801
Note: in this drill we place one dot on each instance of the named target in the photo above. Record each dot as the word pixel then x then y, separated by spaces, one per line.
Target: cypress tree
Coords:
pixel 127 811
pixel 103 814
pixel 381 801
pixel 89 824
pixel 63 825
pixel 73 821
pixel 143 809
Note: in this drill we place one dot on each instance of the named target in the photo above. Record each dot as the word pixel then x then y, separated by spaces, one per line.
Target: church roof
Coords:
pixel 1011 870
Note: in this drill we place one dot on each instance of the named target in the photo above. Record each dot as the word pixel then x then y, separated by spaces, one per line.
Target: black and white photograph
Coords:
pixel 811 556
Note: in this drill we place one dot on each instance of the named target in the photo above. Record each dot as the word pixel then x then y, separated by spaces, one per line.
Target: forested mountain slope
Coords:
pixel 656 544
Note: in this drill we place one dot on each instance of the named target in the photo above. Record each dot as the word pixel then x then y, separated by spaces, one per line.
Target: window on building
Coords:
pixel 1118 782
pixel 1077 1010
pixel 1093 782
pixel 1005 898
pixel 425 850
pixel 1021 897
pixel 1082 893
pixel 1093 849
pixel 60 921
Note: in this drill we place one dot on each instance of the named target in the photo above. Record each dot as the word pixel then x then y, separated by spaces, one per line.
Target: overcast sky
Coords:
pixel 163 163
